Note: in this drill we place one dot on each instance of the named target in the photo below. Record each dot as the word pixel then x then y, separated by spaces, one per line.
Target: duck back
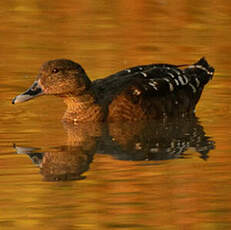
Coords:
pixel 153 91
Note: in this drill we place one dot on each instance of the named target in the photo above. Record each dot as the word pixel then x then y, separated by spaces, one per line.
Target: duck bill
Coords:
pixel 34 91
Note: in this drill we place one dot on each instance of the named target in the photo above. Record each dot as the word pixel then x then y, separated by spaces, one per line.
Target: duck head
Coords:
pixel 60 77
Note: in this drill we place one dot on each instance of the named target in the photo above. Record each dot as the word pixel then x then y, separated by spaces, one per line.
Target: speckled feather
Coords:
pixel 152 91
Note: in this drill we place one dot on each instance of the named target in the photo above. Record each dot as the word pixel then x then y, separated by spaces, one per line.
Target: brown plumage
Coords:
pixel 143 92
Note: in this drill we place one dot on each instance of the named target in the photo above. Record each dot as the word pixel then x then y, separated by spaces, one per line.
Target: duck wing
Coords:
pixel 153 91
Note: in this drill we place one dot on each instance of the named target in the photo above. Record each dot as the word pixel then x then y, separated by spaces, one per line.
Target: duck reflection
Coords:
pixel 70 161
pixel 62 163
pixel 138 141
pixel 158 141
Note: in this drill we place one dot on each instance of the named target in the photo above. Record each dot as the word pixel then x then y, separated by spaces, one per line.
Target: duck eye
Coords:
pixel 55 70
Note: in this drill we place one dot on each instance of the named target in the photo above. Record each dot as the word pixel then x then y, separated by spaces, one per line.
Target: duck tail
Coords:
pixel 200 72
pixel 204 64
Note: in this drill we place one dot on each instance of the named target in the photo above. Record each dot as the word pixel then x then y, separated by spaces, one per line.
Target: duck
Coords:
pixel 144 92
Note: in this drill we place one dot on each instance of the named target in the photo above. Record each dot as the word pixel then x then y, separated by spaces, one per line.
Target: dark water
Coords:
pixel 164 175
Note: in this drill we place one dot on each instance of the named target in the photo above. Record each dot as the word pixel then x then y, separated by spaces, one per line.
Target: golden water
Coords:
pixel 111 188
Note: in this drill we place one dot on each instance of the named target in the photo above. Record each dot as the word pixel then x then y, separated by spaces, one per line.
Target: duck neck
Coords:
pixel 81 108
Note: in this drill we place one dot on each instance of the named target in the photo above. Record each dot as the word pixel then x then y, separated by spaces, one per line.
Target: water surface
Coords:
pixel 145 176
